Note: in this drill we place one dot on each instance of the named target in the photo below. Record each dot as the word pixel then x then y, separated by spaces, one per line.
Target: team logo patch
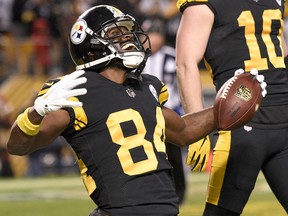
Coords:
pixel 153 91
pixel 78 33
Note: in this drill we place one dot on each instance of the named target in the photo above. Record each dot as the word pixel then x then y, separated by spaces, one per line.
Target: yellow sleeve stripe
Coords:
pixel 42 92
pixel 163 96
pixel 182 3
pixel 81 119
pixel 47 86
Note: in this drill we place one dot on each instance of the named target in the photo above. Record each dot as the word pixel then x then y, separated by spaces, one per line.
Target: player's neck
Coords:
pixel 114 74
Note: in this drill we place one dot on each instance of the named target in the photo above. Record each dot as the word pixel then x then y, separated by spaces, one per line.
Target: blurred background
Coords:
pixel 33 49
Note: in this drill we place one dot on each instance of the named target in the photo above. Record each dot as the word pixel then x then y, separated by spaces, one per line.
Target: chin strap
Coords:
pixel 95 62
pixel 133 78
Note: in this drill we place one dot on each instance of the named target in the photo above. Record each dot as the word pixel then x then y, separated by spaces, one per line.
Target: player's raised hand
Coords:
pixel 57 96
pixel 238 99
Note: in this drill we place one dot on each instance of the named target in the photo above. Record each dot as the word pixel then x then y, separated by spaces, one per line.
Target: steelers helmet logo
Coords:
pixel 78 33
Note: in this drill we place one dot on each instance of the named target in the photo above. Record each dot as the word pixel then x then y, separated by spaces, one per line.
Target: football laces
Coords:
pixel 228 86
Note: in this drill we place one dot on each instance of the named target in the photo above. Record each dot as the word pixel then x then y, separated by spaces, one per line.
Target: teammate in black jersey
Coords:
pixel 233 34
pixel 114 120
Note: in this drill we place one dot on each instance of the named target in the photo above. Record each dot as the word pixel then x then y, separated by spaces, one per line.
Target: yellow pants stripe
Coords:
pixel 220 158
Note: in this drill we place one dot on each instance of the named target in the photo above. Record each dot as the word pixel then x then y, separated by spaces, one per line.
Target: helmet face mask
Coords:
pixel 103 33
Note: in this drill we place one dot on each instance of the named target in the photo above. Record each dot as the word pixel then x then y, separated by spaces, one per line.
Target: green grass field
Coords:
pixel 66 196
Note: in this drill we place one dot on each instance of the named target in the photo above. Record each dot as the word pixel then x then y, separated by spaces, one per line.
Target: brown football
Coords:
pixel 237 101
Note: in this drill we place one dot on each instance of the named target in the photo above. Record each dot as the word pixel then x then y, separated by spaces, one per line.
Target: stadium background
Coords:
pixel 33 48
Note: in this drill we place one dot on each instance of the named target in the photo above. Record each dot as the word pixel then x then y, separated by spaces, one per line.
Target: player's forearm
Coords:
pixel 199 124
pixel 24 133
pixel 183 131
pixel 190 89
pixel 190 48
pixel 19 143
pixel 188 75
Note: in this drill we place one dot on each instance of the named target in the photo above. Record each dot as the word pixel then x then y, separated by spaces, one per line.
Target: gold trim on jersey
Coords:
pixel 42 92
pixel 163 96
pixel 220 158
pixel 159 133
pixel 88 181
pixel 81 119
pixel 48 85
pixel 209 68
pixel 182 3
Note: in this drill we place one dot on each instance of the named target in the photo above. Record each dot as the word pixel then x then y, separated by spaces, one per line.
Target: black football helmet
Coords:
pixel 90 46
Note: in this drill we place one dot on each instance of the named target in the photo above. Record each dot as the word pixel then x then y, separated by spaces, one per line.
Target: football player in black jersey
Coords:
pixel 113 117
pixel 233 34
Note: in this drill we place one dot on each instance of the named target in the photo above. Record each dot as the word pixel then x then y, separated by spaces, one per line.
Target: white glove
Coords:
pixel 260 79
pixel 57 96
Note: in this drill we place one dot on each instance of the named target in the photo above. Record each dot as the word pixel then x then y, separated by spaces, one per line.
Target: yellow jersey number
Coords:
pixel 256 61
pixel 130 142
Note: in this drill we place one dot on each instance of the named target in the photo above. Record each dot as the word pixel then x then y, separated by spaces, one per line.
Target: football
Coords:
pixel 237 101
